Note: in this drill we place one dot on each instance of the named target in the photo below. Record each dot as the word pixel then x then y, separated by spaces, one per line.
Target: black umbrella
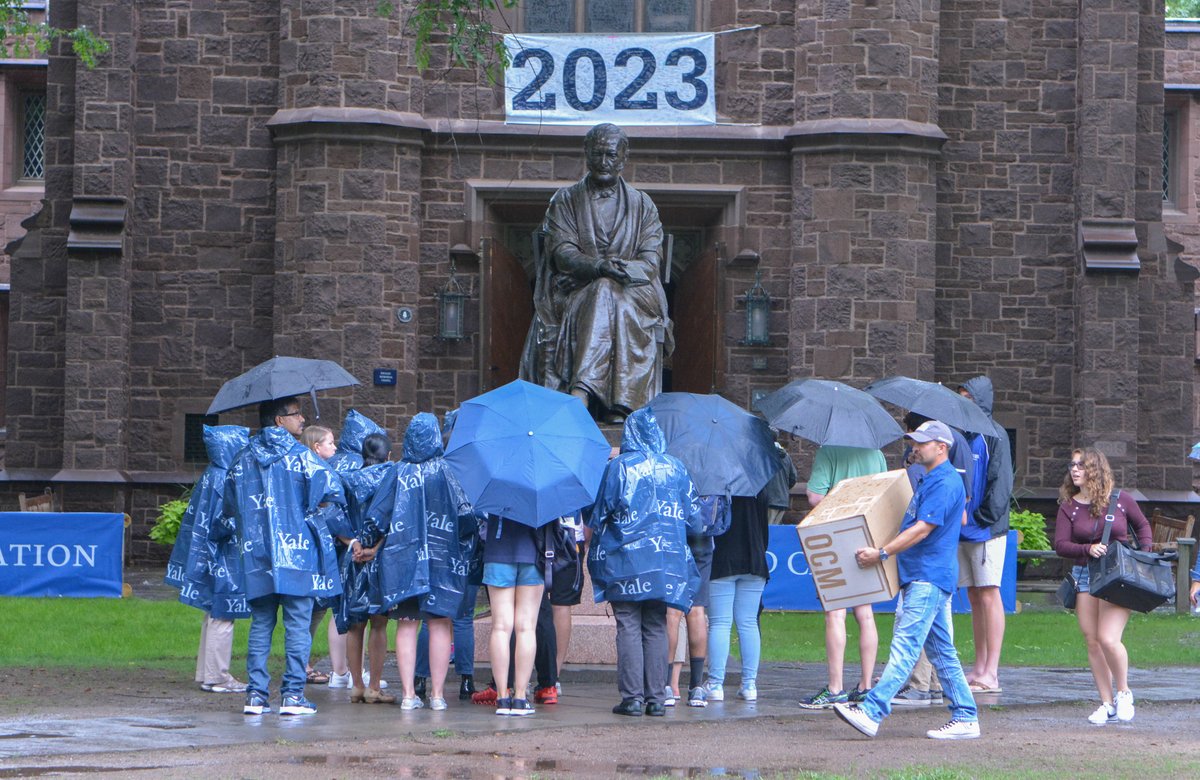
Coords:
pixel 829 412
pixel 727 450
pixel 934 401
pixel 281 377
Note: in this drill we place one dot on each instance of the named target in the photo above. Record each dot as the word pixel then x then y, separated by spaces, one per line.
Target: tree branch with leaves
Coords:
pixel 466 26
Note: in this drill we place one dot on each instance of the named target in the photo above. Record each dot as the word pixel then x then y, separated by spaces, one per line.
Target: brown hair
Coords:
pixel 311 436
pixel 1097 480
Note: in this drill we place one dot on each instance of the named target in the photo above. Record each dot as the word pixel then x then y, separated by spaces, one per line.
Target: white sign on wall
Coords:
pixel 625 79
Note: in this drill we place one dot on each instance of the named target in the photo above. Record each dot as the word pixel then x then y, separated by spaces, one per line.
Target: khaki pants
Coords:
pixel 923 677
pixel 216 648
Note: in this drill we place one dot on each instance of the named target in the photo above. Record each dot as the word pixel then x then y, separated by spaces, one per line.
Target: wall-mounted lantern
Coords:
pixel 452 302
pixel 758 314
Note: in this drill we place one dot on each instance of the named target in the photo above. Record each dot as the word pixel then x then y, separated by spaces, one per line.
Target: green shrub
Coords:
pixel 170 514
pixel 1032 526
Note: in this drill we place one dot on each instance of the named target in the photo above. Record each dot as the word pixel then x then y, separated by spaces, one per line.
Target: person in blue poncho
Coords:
pixel 355 430
pixel 425 557
pixel 273 497
pixel 361 601
pixel 207 573
pixel 639 559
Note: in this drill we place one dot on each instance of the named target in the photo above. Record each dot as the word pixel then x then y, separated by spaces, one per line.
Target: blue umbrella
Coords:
pixel 727 450
pixel 1195 453
pixel 281 377
pixel 828 412
pixel 527 453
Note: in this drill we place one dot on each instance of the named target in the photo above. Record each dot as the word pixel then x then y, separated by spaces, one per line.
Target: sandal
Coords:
pixel 317 678
pixel 358 695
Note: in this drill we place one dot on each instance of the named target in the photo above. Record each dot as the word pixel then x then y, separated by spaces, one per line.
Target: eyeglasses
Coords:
pixel 1076 464
pixel 291 414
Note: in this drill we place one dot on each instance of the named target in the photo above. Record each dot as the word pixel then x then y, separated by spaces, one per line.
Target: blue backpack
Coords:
pixel 717 513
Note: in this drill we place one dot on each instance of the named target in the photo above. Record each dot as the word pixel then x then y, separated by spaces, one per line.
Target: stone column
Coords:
pixel 348 199
pixel 864 148
pixel 1106 289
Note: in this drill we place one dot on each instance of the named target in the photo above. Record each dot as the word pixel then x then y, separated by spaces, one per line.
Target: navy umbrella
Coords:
pixel 527 453
pixel 829 412
pixel 281 377
pixel 934 401
pixel 727 450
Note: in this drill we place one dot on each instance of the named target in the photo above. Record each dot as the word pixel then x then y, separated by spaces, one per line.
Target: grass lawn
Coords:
pixel 106 633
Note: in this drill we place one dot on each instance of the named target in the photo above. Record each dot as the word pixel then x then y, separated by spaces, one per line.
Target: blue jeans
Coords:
pixel 464 638
pixel 734 600
pixel 297 642
pixel 924 623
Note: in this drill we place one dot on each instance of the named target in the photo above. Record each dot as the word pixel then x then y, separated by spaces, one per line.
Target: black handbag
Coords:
pixel 1068 590
pixel 557 550
pixel 1134 579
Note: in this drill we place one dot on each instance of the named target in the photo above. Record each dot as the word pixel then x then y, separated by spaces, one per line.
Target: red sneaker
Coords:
pixel 486 696
pixel 547 695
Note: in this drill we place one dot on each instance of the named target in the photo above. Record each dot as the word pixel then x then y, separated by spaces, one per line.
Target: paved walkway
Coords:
pixel 588 697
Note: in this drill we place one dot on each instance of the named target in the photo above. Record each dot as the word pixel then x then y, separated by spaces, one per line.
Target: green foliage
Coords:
pixel 1183 9
pixel 1032 526
pixel 170 514
pixel 465 25
pixel 20 36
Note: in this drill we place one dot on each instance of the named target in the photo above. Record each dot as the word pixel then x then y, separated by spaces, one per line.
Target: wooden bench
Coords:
pixel 1165 530
pixel 43 503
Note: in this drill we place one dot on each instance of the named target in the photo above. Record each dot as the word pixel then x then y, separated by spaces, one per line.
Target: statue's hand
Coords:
pixel 614 268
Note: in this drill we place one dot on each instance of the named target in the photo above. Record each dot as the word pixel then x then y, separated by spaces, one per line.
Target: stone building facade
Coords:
pixel 937 189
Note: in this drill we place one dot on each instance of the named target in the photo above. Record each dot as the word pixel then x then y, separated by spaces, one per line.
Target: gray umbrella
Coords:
pixel 934 401
pixel 281 377
pixel 829 412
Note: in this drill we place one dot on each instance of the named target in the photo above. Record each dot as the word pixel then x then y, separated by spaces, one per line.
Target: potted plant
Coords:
pixel 170 515
pixel 1031 533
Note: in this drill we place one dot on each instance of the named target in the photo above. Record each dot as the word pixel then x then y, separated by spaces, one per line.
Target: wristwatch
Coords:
pixel 883 555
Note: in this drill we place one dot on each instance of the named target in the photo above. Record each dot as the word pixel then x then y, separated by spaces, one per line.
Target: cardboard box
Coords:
pixel 859 512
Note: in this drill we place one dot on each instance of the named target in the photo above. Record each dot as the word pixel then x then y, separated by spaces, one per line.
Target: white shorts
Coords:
pixel 981 564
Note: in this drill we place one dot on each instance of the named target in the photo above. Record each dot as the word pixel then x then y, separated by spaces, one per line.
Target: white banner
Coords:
pixel 625 79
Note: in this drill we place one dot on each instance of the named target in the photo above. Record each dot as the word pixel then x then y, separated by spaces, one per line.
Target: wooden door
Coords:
pixel 699 362
pixel 507 311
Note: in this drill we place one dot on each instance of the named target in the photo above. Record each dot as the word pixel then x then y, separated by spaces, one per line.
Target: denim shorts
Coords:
pixel 1082 578
pixel 509 575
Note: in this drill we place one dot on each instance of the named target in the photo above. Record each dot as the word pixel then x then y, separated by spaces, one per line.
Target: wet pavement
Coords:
pixel 588 696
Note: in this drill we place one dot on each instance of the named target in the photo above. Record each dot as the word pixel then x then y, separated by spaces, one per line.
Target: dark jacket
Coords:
pixel 997 492
pixel 646 507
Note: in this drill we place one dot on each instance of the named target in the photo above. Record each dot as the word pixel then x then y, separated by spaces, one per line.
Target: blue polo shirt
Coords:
pixel 939 501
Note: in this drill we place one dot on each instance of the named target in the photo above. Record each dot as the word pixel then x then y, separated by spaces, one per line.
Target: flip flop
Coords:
pixel 977 687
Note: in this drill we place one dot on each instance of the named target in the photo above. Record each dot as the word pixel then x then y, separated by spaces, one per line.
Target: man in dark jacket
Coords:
pixel 984 539
pixel 273 497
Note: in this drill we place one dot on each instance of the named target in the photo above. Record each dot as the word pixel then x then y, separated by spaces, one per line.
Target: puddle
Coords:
pixel 31 735
pixel 38 771
pixel 165 726
pixel 332 760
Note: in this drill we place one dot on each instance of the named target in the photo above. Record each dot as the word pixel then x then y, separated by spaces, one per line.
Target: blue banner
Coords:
pixel 61 554
pixel 791 585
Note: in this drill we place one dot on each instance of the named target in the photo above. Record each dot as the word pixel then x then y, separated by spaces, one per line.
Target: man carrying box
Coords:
pixel 927 560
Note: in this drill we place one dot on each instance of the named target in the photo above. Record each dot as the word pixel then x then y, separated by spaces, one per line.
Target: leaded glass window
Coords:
pixel 33 127
pixel 550 16
pixel 610 16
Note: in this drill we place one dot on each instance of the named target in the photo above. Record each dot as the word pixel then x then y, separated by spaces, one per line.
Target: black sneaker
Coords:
pixel 466 688
pixel 256 704
pixel 504 706
pixel 520 708
pixel 857 695
pixel 419 686
pixel 631 707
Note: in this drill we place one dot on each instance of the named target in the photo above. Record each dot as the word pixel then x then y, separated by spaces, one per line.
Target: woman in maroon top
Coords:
pixel 1083 503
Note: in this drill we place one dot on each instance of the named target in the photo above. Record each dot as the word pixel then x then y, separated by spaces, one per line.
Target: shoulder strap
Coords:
pixel 1108 518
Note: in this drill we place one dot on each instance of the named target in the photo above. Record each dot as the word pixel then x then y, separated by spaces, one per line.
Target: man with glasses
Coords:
pixel 273 497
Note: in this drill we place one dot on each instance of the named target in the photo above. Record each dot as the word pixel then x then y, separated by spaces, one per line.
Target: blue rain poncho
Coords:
pixel 646 507
pixel 208 573
pixel 355 430
pixel 273 495
pixel 431 531
pixel 361 596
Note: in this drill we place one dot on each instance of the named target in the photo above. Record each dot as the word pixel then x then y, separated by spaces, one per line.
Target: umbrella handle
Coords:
pixel 316 408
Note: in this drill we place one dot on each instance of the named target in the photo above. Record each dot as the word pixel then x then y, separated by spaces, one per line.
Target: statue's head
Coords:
pixel 605 147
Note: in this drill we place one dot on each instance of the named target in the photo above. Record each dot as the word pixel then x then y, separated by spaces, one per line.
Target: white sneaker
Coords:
pixel 437 704
pixel 414 703
pixel 748 692
pixel 1103 714
pixel 1124 704
pixel 669 697
pixel 955 729
pixel 714 691
pixel 854 715
pixel 341 680
pixel 367 681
